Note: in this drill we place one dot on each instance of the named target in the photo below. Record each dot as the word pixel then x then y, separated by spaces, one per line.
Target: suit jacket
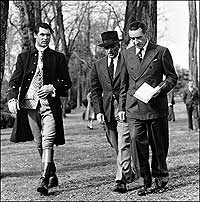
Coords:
pixel 103 89
pixel 191 98
pixel 55 71
pixel 157 62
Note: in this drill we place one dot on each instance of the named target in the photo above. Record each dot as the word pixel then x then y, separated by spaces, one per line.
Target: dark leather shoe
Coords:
pixel 53 181
pixel 130 178
pixel 142 191
pixel 89 127
pixel 120 187
pixel 43 186
pixel 160 185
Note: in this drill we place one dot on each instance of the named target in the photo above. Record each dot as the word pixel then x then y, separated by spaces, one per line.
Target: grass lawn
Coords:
pixel 86 165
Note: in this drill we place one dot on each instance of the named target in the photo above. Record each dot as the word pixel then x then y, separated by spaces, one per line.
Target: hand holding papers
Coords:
pixel 145 92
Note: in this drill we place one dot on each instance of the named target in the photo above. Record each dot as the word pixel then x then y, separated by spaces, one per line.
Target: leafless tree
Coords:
pixel 77 27
pixel 30 15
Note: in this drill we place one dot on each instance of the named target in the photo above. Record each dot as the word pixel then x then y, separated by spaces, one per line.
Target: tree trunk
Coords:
pixel 3 28
pixel 145 11
pixel 30 15
pixel 77 64
pixel 65 48
pixel 88 55
pixel 193 33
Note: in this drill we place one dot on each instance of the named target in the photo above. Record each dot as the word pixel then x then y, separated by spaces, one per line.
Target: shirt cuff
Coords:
pixel 12 100
pixel 53 94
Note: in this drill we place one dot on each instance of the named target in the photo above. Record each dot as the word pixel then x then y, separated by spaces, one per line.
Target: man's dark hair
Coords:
pixel 43 25
pixel 136 25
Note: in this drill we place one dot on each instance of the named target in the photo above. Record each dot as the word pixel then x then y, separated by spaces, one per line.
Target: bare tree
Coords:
pixel 12 46
pixel 3 27
pixel 145 11
pixel 193 34
pixel 30 15
pixel 77 27
pixel 66 30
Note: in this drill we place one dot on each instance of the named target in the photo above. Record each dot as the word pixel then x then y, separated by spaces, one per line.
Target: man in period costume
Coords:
pixel 40 78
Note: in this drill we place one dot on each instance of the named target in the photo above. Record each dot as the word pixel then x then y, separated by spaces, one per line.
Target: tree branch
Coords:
pixel 113 10
pixel 88 65
pixel 15 26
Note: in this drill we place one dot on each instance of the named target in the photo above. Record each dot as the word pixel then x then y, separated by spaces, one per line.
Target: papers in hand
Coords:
pixel 145 92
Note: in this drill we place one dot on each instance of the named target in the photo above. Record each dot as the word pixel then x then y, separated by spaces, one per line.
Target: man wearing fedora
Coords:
pixel 105 87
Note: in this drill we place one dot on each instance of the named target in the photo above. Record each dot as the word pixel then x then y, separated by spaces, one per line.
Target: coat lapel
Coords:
pixel 149 55
pixel 133 62
pixel 104 65
pixel 118 68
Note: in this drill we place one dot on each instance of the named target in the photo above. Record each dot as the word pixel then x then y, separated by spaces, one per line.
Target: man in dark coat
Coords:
pixel 191 100
pixel 40 78
pixel 146 62
pixel 105 86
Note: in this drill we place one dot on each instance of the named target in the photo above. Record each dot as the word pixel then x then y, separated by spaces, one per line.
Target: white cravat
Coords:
pixel 40 60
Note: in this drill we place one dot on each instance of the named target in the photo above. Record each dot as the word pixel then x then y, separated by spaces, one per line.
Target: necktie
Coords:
pixel 111 68
pixel 140 54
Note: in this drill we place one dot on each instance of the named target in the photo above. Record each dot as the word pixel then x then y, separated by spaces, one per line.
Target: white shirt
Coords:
pixel 144 49
pixel 115 60
pixel 40 48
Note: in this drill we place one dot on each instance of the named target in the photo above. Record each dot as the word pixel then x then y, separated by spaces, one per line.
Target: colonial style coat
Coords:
pixel 55 71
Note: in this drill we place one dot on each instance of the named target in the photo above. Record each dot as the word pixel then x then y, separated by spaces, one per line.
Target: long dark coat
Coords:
pixel 55 71
pixel 157 62
pixel 103 89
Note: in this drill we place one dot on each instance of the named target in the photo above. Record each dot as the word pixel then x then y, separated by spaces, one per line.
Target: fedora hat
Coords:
pixel 109 38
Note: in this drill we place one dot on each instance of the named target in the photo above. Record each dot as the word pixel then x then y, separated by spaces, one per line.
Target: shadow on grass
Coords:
pixel 184 171
pixel 183 152
pixel 180 177
pixel 85 166
pixel 93 182
pixel 69 167
pixel 19 174
pixel 83 131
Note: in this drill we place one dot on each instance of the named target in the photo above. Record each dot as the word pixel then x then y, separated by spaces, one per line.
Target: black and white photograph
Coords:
pixel 100 100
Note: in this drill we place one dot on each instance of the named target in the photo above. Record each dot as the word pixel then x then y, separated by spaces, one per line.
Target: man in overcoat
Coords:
pixel 40 78
pixel 148 123
pixel 191 101
pixel 105 87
